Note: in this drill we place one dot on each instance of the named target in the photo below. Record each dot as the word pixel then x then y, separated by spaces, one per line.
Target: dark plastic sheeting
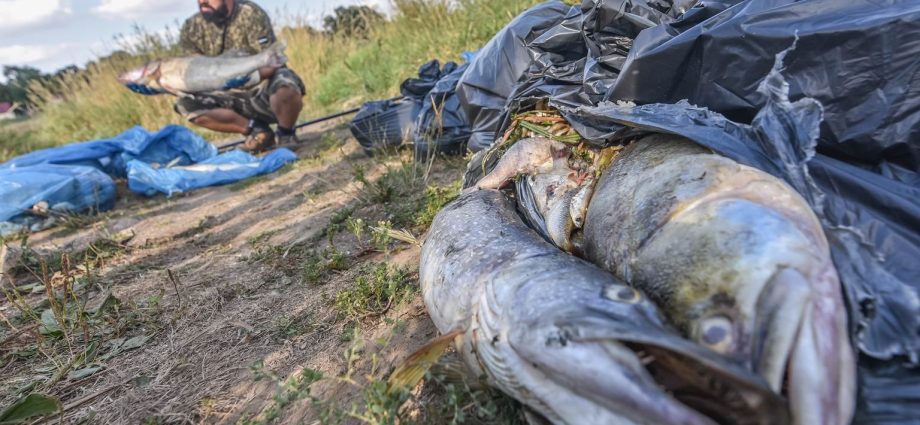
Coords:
pixel 839 121
pixel 384 123
pixel 441 125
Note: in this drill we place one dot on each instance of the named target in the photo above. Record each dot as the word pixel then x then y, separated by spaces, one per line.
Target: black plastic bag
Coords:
pixel 384 123
pixel 859 58
pixel 500 64
pixel 441 125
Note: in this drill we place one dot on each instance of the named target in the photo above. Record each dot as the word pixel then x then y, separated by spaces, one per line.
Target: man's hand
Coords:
pixel 142 89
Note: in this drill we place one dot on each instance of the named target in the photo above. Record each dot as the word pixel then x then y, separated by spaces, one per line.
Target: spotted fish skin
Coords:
pixel 558 334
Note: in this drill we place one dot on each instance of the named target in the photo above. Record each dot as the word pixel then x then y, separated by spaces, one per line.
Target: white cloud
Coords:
pixel 28 55
pixel 133 9
pixel 21 15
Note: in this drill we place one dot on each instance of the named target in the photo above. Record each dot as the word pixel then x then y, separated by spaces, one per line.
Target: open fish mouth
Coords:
pixel 706 382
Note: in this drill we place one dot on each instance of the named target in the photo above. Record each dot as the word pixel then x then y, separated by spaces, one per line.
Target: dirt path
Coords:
pixel 221 306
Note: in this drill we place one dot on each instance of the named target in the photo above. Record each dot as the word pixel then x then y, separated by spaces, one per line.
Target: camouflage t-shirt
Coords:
pixel 247 30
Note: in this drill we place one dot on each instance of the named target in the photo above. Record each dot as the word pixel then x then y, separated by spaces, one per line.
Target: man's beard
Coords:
pixel 217 16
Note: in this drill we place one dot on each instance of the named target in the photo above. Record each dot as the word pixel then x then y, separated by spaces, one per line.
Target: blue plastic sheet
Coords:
pixel 223 169
pixel 66 189
pixel 171 144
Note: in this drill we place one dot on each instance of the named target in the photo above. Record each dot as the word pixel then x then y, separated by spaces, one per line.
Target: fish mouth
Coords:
pixel 699 378
pixel 801 345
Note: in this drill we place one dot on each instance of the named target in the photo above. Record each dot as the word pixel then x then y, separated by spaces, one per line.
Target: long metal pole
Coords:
pixel 309 123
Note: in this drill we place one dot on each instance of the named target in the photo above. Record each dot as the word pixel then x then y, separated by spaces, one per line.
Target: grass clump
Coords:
pixel 319 265
pixel 377 288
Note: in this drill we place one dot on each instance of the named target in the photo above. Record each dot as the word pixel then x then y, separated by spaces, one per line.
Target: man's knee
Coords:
pixel 287 94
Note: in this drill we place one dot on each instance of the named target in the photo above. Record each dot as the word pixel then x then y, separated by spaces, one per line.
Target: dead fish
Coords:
pixel 200 74
pixel 523 157
pixel 737 261
pixel 564 337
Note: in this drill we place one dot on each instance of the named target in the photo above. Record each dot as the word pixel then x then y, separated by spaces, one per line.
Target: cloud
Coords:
pixel 27 55
pixel 19 15
pixel 133 9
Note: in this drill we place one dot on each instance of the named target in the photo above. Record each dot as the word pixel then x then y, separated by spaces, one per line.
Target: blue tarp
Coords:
pixel 65 188
pixel 77 178
pixel 171 143
pixel 223 169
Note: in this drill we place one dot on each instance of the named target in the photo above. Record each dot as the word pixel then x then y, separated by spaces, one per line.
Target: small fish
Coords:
pixel 201 74
pixel 737 261
pixel 564 337
pixel 523 157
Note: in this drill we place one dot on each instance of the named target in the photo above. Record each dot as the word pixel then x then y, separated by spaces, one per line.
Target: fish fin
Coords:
pixel 413 369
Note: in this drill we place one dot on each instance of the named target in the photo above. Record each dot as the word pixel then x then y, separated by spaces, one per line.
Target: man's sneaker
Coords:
pixel 258 141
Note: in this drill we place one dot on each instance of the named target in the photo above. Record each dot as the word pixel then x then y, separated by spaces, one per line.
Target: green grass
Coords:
pixel 377 288
pixel 338 72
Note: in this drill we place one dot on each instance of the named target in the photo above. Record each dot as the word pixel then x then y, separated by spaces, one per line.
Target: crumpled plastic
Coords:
pixel 63 189
pixel 223 169
pixel 171 144
pixel 384 123
pixel 441 125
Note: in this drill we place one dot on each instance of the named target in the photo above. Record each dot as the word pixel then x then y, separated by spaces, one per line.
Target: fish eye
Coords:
pixel 717 334
pixel 622 293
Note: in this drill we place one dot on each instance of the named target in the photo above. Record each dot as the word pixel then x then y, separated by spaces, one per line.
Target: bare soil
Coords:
pixel 215 282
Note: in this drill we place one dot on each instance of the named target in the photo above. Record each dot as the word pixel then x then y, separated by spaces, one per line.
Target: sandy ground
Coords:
pixel 228 305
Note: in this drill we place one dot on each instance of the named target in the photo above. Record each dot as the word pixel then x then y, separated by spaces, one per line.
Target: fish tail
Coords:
pixel 276 56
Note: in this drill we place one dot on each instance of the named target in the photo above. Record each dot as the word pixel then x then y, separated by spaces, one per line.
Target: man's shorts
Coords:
pixel 254 103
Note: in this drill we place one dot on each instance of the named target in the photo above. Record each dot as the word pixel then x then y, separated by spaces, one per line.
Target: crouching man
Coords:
pixel 227 27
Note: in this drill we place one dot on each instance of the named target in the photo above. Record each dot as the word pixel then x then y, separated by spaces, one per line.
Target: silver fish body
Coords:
pixel 567 339
pixel 201 74
pixel 737 261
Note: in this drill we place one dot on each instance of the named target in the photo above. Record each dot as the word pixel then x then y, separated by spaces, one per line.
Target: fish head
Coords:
pixel 770 299
pixel 613 341
pixel 705 381
pixel 141 75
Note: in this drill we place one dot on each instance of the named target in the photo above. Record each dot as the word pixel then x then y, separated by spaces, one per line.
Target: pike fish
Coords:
pixel 565 338
pixel 201 74
pixel 736 260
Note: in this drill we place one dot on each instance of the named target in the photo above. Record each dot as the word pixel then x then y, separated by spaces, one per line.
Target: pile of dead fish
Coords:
pixel 700 290
pixel 665 223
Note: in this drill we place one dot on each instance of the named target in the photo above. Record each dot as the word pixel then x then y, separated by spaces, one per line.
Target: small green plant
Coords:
pixel 286 327
pixel 435 199
pixel 380 236
pixel 377 288
pixel 296 387
pixel 318 265
pixel 357 227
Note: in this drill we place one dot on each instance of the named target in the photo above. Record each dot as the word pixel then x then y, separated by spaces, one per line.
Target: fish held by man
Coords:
pixel 737 261
pixel 203 74
pixel 565 338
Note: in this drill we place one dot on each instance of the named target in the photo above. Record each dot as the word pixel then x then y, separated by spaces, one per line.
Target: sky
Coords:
pixel 51 34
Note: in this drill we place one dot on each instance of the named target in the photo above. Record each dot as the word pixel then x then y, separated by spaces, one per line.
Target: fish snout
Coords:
pixel 802 344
